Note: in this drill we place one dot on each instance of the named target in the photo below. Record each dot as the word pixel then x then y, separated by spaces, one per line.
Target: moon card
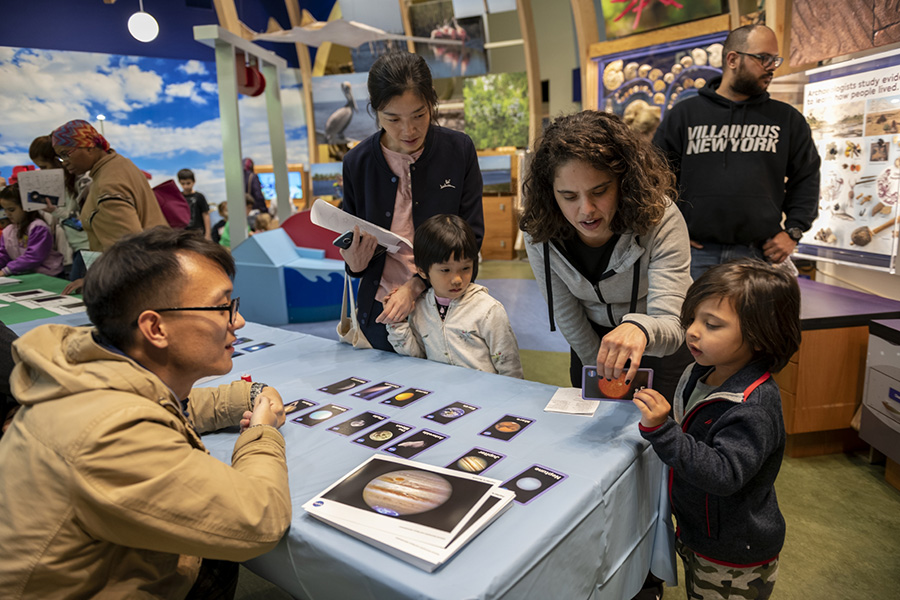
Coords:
pixel 406 397
pixel 298 405
pixel 345 385
pixel 320 415
pixel 451 412
pixel 379 389
pixel 532 482
pixel 417 442
pixel 507 428
pixel 476 460
pixel 358 423
pixel 382 435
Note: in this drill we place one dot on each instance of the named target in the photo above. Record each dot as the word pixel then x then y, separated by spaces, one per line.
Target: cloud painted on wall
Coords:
pixel 163 114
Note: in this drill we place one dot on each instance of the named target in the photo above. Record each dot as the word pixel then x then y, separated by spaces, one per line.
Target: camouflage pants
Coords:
pixel 706 580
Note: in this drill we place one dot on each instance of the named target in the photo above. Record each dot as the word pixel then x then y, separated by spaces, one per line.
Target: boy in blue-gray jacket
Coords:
pixel 726 441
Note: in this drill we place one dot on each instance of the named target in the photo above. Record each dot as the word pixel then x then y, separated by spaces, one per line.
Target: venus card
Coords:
pixel 417 442
pixel 379 389
pixel 451 412
pixel 507 428
pixel 298 405
pixel 358 423
pixel 345 385
pixel 532 482
pixel 406 397
pixel 382 435
pixel 320 415
pixel 476 460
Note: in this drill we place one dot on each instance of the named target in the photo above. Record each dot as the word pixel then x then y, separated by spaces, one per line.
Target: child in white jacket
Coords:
pixel 455 321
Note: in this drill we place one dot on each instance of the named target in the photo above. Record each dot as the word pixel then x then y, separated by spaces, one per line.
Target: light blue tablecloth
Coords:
pixel 594 535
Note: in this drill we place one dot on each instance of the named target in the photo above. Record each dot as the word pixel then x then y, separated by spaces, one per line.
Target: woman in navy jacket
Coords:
pixel 412 169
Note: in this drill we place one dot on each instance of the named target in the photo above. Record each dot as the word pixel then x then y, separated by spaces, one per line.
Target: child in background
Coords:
pixel 27 242
pixel 197 202
pixel 726 441
pixel 265 222
pixel 217 228
pixel 456 321
pixel 225 236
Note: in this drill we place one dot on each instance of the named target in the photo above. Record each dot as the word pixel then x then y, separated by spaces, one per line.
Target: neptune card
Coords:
pixel 532 482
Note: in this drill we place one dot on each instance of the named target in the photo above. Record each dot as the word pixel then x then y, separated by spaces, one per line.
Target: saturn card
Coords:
pixel 319 416
pixel 532 482
pixel 507 428
pixel 476 460
pixel 451 413
pixel 406 397
pixel 383 435
pixel 417 442
pixel 345 385
pixel 357 423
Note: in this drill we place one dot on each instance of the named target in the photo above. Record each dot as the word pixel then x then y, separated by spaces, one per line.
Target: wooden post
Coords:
pixel 587 33
pixel 532 68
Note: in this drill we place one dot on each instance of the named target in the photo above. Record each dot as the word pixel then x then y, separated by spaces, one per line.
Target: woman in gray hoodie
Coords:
pixel 608 247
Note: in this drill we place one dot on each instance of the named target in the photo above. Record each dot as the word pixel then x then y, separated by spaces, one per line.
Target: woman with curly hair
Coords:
pixel 608 247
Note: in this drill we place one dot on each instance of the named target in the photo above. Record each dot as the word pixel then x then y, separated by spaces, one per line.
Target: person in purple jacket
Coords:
pixel 27 241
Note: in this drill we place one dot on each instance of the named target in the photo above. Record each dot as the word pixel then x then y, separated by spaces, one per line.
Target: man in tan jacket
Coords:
pixel 106 488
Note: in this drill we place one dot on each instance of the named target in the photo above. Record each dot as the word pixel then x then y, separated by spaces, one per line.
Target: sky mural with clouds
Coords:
pixel 161 113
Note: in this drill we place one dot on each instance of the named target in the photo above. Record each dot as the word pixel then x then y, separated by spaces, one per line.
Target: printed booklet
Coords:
pixel 420 513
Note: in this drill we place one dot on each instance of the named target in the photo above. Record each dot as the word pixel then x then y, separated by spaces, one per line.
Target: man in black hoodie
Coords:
pixel 744 162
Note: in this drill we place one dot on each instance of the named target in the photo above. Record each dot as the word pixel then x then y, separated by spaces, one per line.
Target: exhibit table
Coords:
pixel 594 534
pixel 15 313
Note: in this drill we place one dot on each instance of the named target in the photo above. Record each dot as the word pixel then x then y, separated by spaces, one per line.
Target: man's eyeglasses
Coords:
pixel 766 60
pixel 231 307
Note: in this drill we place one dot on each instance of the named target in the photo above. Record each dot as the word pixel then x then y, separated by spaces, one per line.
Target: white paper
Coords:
pixel 570 402
pixel 34 186
pixel 26 295
pixel 331 217
pixel 89 256
pixel 9 280
pixel 61 305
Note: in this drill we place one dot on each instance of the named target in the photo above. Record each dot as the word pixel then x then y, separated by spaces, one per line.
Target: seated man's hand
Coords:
pixel 268 409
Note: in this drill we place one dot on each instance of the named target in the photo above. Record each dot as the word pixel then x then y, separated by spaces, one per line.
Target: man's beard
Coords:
pixel 748 85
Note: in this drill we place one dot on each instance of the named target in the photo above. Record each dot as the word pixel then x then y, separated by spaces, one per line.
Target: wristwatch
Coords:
pixel 795 233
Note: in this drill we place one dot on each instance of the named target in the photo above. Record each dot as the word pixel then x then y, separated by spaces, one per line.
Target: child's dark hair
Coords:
pixel 42 149
pixel 442 238
pixel 186 174
pixel 396 73
pixel 11 193
pixel 766 300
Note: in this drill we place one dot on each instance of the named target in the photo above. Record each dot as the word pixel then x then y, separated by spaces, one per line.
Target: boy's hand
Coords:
pixel 653 406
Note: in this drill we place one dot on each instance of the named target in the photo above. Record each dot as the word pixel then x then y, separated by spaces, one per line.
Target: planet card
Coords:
pixel 507 428
pixel 417 442
pixel 451 412
pixel 379 389
pixel 298 405
pixel 384 434
pixel 406 397
pixel 320 415
pixel 256 347
pixel 236 354
pixel 476 460
pixel 241 340
pixel 358 423
pixel 532 482
pixel 345 385
pixel 594 387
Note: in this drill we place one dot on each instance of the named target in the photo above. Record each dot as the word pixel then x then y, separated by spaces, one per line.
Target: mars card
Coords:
pixel 382 435
pixel 358 423
pixel 507 428
pixel 417 442
pixel 318 416
pixel 379 389
pixel 532 482
pixel 406 397
pixel 298 405
pixel 476 460
pixel 344 385
pixel 451 413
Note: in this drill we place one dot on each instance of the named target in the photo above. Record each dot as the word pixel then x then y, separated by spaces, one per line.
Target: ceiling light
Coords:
pixel 142 26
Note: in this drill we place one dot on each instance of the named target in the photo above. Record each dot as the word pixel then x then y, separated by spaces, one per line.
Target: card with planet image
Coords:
pixel 345 385
pixel 476 460
pixel 451 412
pixel 236 354
pixel 384 434
pixel 241 340
pixel 598 388
pixel 358 423
pixel 379 389
pixel 406 397
pixel 532 482
pixel 298 405
pixel 417 442
pixel 507 428
pixel 256 347
pixel 320 415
